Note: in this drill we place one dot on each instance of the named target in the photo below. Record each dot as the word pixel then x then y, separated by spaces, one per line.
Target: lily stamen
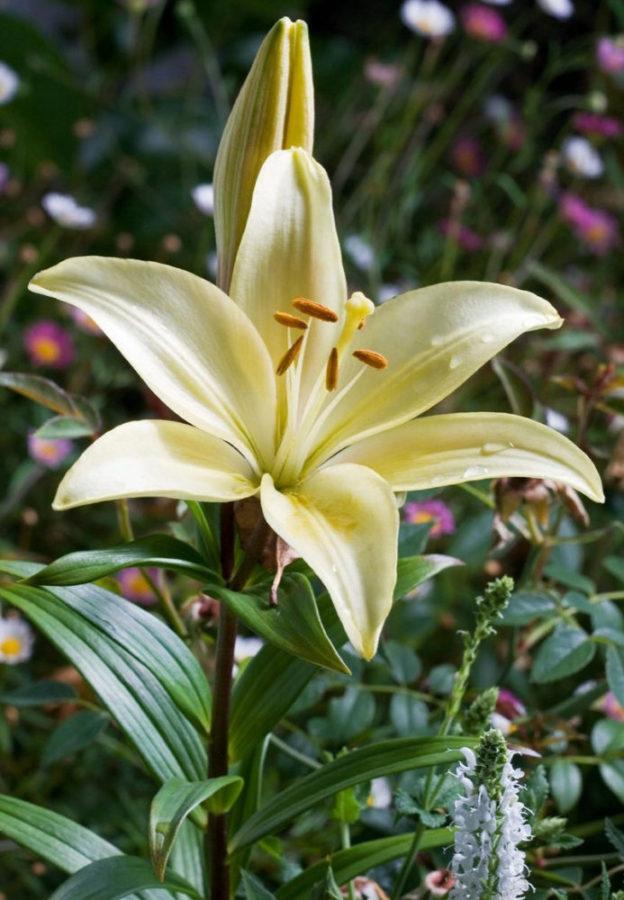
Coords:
pixel 290 356
pixel 331 372
pixel 371 358
pixel 289 320
pixel 315 310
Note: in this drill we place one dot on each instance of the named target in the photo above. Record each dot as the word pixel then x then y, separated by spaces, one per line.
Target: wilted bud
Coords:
pixel 274 111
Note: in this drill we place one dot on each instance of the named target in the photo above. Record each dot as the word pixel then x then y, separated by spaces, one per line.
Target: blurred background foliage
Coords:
pixel 448 160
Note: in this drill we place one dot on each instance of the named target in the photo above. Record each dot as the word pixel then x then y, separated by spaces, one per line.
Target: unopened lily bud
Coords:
pixel 274 111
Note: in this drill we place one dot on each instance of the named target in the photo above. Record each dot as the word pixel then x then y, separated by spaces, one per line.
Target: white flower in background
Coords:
pixel 16 640
pixel 380 796
pixel 387 292
pixel 66 212
pixel 556 420
pixel 490 826
pixel 9 83
pixel 560 9
pixel 582 158
pixel 203 196
pixel 428 18
pixel 246 647
pixel 360 252
pixel 498 109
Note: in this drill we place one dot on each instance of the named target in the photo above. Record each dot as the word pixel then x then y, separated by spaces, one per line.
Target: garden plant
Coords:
pixel 311 371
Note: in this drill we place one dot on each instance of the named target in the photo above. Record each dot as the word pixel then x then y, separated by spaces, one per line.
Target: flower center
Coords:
pixel 10 646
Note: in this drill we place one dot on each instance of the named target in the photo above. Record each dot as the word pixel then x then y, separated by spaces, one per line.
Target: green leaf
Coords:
pixel 615 565
pixel 39 694
pixel 137 666
pixel 564 291
pixel 566 784
pixel 254 889
pixel 363 764
pixel 403 662
pixel 64 427
pixel 516 385
pixel 570 579
pixel 408 715
pixel 294 625
pixel 613 776
pixel 173 803
pixel 615 671
pixel 525 607
pixel 116 877
pixel 413 570
pixel 607 736
pixel 72 735
pixel 348 864
pixel 50 395
pixel 615 836
pixel 158 550
pixel 347 717
pixel 566 651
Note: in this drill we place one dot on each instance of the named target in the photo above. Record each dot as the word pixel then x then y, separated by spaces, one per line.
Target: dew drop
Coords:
pixel 486 338
pixel 492 447
pixel 454 361
pixel 475 471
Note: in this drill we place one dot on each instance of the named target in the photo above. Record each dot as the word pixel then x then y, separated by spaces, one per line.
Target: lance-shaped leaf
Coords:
pixel 173 803
pixel 50 395
pixel 274 110
pixel 111 879
pixel 294 624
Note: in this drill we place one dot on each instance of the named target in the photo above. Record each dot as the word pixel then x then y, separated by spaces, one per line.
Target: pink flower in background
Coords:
pixel 50 452
pixel 5 175
pixel 439 882
pixel 382 74
pixel 507 704
pixel 610 55
pixel 612 708
pixel 135 587
pixel 84 322
pixel 417 512
pixel 47 344
pixel 466 238
pixel 467 156
pixel 597 229
pixel 595 124
pixel 483 23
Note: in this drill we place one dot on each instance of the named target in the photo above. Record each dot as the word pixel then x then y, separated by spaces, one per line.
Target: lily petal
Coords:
pixel 344 522
pixel 434 339
pixel 290 249
pixel 190 344
pixel 452 449
pixel 156 458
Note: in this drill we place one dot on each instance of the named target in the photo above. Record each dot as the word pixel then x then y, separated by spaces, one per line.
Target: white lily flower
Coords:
pixel 287 397
pixel 429 18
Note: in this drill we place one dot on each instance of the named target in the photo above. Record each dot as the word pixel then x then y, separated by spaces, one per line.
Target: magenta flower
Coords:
pixel 418 512
pixel 508 705
pixel 594 124
pixel 135 587
pixel 47 344
pixel 50 452
pixel 597 229
pixel 610 55
pixel 467 156
pixel 467 239
pixel 483 23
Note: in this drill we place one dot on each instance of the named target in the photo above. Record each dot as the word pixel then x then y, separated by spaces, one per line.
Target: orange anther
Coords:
pixel 331 373
pixel 371 358
pixel 290 321
pixel 314 309
pixel 290 356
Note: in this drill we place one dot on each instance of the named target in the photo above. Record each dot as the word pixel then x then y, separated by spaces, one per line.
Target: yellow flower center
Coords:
pixel 46 349
pixel 10 646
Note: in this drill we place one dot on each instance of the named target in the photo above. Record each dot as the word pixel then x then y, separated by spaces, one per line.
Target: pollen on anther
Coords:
pixel 290 356
pixel 331 372
pixel 290 321
pixel 314 309
pixel 371 358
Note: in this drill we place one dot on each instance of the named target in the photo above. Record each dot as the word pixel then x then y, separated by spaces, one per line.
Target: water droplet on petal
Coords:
pixel 454 361
pixel 493 447
pixel 486 338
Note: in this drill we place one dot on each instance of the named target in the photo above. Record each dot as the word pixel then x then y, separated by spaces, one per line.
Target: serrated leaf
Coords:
pixel 72 735
pixel 363 764
pixel 566 651
pixel 158 550
pixel 566 784
pixel 615 836
pixel 175 801
pixel 294 625
pixel 114 878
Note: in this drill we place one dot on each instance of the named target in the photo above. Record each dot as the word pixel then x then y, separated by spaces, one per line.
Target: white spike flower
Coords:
pixel 67 212
pixel 582 158
pixel 429 18
pixel 288 397
pixel 16 640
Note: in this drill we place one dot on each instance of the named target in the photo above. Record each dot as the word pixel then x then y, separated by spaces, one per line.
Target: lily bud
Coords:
pixel 274 111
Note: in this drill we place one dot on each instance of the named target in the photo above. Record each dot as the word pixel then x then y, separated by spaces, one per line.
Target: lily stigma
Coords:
pixel 293 390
